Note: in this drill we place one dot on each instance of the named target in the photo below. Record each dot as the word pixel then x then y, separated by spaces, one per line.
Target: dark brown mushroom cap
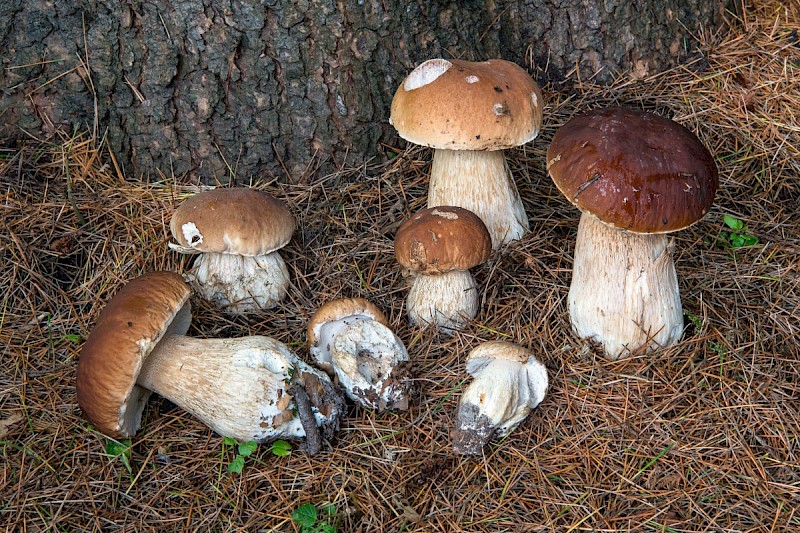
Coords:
pixel 441 239
pixel 233 221
pixel 633 170
pixel 127 330
pixel 464 105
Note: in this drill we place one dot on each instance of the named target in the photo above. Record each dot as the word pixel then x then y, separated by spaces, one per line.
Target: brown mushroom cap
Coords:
pixel 128 329
pixel 339 309
pixel 441 239
pixel 461 105
pixel 233 221
pixel 633 170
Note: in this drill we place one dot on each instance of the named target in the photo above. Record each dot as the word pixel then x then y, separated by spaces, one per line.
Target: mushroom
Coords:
pixel 509 382
pixel 635 176
pixel 440 244
pixel 240 388
pixel 350 338
pixel 469 113
pixel 238 232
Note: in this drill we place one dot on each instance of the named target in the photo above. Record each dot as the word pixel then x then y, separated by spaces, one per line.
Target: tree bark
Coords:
pixel 210 89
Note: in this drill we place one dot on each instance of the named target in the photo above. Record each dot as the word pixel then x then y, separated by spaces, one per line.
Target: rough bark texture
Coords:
pixel 207 88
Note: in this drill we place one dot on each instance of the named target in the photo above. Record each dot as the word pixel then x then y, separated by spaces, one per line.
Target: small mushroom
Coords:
pixel 350 338
pixel 240 388
pixel 440 245
pixel 635 176
pixel 469 113
pixel 509 382
pixel 237 232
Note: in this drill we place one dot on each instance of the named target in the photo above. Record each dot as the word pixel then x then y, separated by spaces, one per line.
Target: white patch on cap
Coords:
pixel 192 234
pixel 445 214
pixel 534 100
pixel 500 109
pixel 472 79
pixel 426 73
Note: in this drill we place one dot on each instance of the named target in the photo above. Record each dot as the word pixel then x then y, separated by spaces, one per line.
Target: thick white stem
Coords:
pixel 481 182
pixel 237 387
pixel 448 301
pixel 239 284
pixel 624 291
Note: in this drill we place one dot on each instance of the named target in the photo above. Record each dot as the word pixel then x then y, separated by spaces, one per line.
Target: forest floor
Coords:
pixel 701 436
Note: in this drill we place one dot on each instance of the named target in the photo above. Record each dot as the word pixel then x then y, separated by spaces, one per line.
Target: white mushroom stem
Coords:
pixel 499 398
pixel 624 291
pixel 448 301
pixel 238 387
pixel 369 361
pixel 481 182
pixel 240 283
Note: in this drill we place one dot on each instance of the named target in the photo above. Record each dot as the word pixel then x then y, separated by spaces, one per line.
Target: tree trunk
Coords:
pixel 207 89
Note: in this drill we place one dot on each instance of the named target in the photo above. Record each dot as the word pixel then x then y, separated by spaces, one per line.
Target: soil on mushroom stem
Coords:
pixel 673 440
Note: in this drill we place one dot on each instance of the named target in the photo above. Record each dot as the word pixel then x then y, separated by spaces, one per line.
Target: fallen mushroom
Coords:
pixel 440 245
pixel 238 233
pixel 509 382
pixel 635 176
pixel 240 388
pixel 350 338
pixel 469 113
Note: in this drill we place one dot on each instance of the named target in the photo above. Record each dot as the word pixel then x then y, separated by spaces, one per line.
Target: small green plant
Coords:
pixel 244 449
pixel 120 450
pixel 739 236
pixel 308 518
pixel 281 448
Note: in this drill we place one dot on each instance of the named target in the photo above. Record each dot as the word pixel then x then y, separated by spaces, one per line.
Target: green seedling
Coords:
pixel 739 236
pixel 308 518
pixel 120 450
pixel 281 448
pixel 244 449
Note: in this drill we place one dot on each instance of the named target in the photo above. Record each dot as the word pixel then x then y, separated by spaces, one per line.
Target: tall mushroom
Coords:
pixel 440 245
pixel 508 382
pixel 469 113
pixel 240 388
pixel 350 338
pixel 237 232
pixel 635 176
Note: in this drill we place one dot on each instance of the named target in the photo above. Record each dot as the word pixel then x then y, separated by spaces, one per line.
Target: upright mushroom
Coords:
pixel 238 232
pixel 350 339
pixel 440 245
pixel 509 382
pixel 469 113
pixel 240 388
pixel 635 176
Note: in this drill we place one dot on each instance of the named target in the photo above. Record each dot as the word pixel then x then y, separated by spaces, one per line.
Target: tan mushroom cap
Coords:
pixel 235 220
pixel 441 239
pixel 491 350
pixel 633 170
pixel 127 330
pixel 463 105
pixel 342 308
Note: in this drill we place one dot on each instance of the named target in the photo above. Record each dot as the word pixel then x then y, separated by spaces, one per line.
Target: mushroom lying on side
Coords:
pixel 241 388
pixel 636 176
pixel 509 382
pixel 440 245
pixel 238 232
pixel 350 339
pixel 469 113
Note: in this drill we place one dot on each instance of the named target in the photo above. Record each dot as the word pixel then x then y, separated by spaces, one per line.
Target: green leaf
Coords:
pixel 281 448
pixel 750 240
pixel 326 528
pixel 732 222
pixel 120 450
pixel 329 510
pixel 305 515
pixel 227 441
pixel 74 338
pixel 236 465
pixel 247 448
pixel 737 241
